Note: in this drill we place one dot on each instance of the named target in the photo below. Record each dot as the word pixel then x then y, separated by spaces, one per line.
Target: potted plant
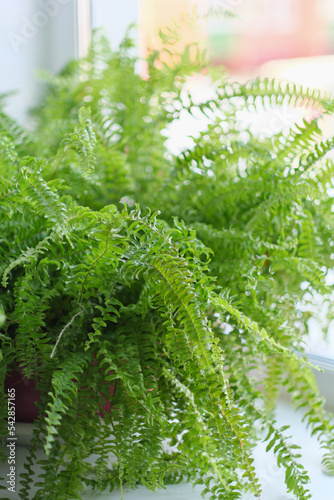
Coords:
pixel 169 278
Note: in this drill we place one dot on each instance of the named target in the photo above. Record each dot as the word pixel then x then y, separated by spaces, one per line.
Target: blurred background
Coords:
pixel 286 39
pixel 291 39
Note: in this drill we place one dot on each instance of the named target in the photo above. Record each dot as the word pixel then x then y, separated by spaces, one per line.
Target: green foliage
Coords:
pixel 160 282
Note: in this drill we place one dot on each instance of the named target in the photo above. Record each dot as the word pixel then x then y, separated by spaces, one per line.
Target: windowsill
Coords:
pixel 272 478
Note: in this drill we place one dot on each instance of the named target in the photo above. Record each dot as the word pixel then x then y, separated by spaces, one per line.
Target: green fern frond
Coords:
pixel 38 193
pixel 83 142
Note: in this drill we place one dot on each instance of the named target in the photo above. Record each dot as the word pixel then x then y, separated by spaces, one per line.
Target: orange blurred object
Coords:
pixel 171 17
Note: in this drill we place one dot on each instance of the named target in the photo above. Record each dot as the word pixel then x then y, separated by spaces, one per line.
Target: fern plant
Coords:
pixel 170 279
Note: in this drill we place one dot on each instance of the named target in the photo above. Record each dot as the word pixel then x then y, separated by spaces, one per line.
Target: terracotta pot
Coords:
pixel 26 395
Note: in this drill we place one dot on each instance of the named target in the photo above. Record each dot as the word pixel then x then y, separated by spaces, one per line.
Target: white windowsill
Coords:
pixel 272 478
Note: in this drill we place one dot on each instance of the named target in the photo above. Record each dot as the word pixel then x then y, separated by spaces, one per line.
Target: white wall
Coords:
pixel 114 16
pixel 33 34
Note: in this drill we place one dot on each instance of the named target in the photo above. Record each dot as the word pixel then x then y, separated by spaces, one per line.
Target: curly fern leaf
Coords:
pixel 83 141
